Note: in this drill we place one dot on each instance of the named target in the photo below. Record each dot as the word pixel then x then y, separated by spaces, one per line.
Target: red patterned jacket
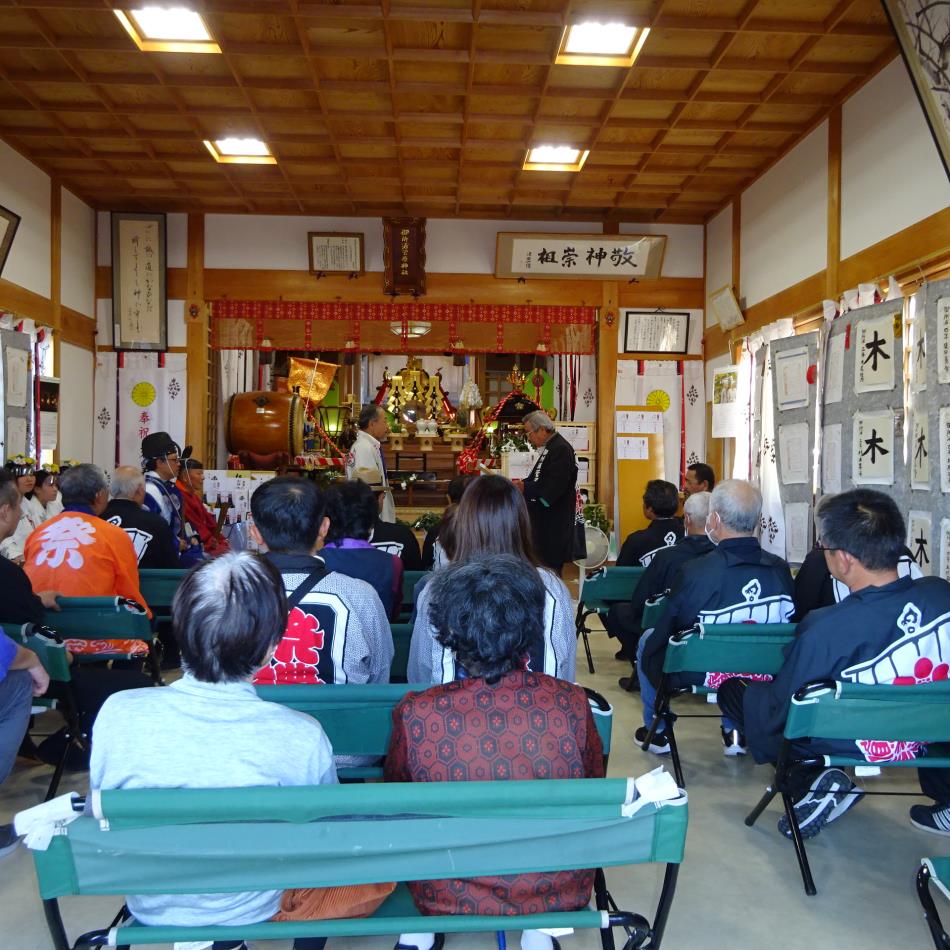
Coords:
pixel 526 726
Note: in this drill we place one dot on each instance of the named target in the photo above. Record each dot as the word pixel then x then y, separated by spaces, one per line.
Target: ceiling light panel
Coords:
pixel 168 30
pixel 601 44
pixel 555 158
pixel 237 151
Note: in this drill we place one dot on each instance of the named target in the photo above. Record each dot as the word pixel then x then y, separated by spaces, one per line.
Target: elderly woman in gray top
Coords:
pixel 492 519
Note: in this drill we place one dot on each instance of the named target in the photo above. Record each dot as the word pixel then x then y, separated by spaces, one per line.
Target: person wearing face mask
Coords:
pixel 737 582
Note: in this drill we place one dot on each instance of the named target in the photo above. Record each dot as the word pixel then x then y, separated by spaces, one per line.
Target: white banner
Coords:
pixel 104 413
pixel 773 515
pixel 152 398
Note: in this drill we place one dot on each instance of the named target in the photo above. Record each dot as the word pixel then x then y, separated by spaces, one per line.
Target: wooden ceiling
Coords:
pixel 427 106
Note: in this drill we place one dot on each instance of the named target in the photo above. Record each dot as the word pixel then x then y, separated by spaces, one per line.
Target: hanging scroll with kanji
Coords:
pixel 139 319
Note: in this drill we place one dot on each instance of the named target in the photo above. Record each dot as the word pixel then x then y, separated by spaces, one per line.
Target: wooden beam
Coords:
pixel 834 203
pixel 737 246
pixel 608 329
pixel 197 343
pixel 76 328
pixel 25 303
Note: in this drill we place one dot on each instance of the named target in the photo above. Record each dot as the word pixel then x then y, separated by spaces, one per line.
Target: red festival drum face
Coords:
pixel 265 422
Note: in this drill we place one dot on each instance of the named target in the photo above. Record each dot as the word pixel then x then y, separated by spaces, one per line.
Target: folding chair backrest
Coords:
pixel 603 714
pixel 652 613
pixel 409 581
pixel 402 635
pixel 51 652
pixel 729 648
pixel 609 586
pixel 854 711
pixel 101 618
pixel 158 586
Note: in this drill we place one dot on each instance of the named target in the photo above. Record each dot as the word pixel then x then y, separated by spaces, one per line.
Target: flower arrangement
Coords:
pixel 426 522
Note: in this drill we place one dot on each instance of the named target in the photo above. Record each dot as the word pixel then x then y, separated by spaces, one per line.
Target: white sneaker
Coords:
pixel 733 742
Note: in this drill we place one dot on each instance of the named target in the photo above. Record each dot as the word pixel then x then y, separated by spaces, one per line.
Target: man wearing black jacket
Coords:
pixel 395 538
pixel 660 501
pixel 149 533
pixel 890 629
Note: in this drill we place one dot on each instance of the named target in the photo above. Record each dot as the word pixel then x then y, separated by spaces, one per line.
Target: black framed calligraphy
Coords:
pixel 9 222
pixel 139 287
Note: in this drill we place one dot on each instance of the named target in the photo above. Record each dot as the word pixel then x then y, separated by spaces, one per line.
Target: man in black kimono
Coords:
pixel 550 491
pixel 890 629
pixel 660 501
pixel 738 582
pixel 624 621
pixel 155 545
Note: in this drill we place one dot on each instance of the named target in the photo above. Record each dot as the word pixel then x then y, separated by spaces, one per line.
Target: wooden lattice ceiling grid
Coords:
pixel 427 106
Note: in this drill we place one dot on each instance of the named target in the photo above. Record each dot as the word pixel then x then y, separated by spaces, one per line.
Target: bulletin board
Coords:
pixel 17 395
pixel 638 432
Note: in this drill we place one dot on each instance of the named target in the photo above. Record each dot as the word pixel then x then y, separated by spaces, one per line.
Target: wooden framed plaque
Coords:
pixel 404 256
pixel 9 222
pixel 578 256
pixel 655 331
pixel 336 252
pixel 139 312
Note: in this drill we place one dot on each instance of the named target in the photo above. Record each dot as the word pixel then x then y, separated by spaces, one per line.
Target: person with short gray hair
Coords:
pixel 736 582
pixel 365 460
pixel 152 538
pixel 550 491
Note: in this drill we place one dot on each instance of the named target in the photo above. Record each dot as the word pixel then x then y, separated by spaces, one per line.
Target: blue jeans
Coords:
pixel 16 699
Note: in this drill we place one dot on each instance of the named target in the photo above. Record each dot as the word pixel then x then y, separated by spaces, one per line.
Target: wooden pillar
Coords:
pixel 736 245
pixel 607 331
pixel 834 203
pixel 197 344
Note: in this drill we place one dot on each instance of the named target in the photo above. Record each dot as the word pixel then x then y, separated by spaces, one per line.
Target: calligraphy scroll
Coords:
pixel 608 257
pixel 404 256
pixel 138 281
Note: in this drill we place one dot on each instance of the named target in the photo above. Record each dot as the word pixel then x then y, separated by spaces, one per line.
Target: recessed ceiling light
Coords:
pixel 601 44
pixel 555 158
pixel 234 151
pixel 168 30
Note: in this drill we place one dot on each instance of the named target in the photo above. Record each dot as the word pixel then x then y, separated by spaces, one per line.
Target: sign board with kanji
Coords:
pixel 585 256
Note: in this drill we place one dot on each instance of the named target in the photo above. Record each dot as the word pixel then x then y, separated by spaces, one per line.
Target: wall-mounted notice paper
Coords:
pixel 834 371
pixel 48 430
pixel 943 433
pixel 943 340
pixel 16 435
pixel 726 413
pixel 578 437
pixel 875 354
pixel 632 447
pixel 793 453
pixel 920 451
pixel 920 539
pixel 797 523
pixel 872 451
pixel 18 371
pixel 629 420
pixel 791 378
pixel 831 459
pixel 945 549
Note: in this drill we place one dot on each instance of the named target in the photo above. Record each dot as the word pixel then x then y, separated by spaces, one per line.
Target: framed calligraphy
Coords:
pixel 655 331
pixel 139 312
pixel 335 252
pixel 578 256
pixel 404 256
pixel 9 222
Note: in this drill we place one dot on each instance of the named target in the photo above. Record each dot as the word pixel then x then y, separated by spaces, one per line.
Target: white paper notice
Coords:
pixel 797 523
pixel 578 437
pixel 793 453
pixel 943 437
pixel 943 340
pixel 15 437
pixel 726 414
pixel 791 371
pixel 920 539
pixel 945 549
pixel 872 451
pixel 834 370
pixel 831 459
pixel 632 420
pixel 632 447
pixel 875 354
pixel 17 370
pixel 920 451
pixel 48 430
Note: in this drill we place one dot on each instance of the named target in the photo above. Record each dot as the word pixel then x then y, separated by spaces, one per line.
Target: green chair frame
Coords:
pixel 936 870
pixel 409 581
pixel 713 648
pixel 653 609
pixel 603 588
pixel 402 638
pixel 158 586
pixel 835 710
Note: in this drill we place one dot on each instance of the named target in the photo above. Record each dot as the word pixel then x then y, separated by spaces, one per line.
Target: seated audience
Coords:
pixel 699 477
pixel 228 614
pixel 890 629
pixel 660 501
pixel 454 492
pixel 151 537
pixel 337 630
pixel 623 621
pixel 37 506
pixel 488 612
pixel 22 469
pixel 79 554
pixel 191 488
pixel 352 509
pixel 738 582
pixel 395 537
pixel 492 519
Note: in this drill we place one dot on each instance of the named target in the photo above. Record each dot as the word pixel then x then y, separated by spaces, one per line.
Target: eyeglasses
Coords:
pixel 824 547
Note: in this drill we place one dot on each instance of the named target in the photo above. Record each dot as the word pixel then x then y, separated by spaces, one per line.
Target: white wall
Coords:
pixel 785 221
pixel 78 266
pixel 684 247
pixel 718 257
pixel 891 173
pixel 76 369
pixel 25 190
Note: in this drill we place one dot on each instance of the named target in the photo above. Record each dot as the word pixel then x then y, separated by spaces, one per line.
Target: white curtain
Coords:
pixel 152 398
pixel 104 412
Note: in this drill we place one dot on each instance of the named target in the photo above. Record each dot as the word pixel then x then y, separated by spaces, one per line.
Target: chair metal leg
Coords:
pixel 770 792
pixel 807 880
pixel 675 754
pixel 54 923
pixel 663 907
pixel 940 937
pixel 602 902
pixel 155 663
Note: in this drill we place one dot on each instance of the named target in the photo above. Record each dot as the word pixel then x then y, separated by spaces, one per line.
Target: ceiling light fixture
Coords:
pixel 234 151
pixel 601 44
pixel 414 328
pixel 555 158
pixel 168 30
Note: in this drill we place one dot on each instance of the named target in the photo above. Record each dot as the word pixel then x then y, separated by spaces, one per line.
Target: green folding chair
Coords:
pixel 832 710
pixel 409 581
pixel 606 586
pixel 938 871
pixel 194 841
pixel 402 637
pixel 653 609
pixel 713 648
pixel 158 586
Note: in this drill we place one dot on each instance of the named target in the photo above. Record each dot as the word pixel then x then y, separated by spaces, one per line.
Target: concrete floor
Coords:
pixel 739 887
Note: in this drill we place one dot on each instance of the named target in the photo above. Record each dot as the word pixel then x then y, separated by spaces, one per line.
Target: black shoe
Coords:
pixel 660 744
pixel 629 683
pixel 621 654
pixel 930 818
pixel 733 742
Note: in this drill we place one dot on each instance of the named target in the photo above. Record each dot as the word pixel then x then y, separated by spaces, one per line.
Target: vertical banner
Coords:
pixel 151 399
pixel 773 513
pixel 694 411
pixel 104 413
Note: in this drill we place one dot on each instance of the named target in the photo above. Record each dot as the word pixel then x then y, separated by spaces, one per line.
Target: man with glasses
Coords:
pixel 161 461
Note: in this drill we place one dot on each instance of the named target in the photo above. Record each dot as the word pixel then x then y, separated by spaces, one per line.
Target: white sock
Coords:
pixel 419 941
pixel 535 940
